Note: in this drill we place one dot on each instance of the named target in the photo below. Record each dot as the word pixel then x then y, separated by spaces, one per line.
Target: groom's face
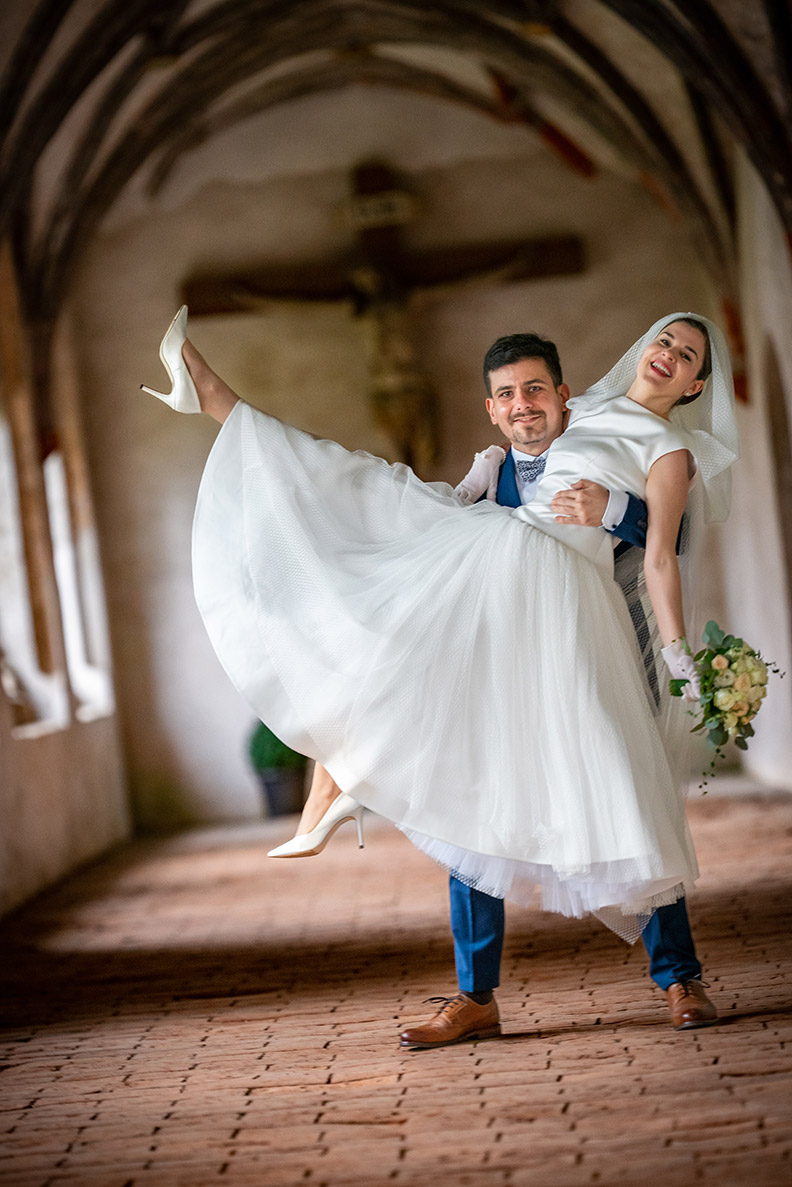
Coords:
pixel 526 405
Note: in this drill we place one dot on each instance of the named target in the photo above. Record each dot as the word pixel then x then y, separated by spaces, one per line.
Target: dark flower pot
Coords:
pixel 283 788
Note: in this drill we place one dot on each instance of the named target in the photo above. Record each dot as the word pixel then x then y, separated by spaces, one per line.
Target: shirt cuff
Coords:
pixel 618 501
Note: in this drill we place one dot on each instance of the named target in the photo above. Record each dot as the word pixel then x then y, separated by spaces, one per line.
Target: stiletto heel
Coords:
pixel 182 397
pixel 343 807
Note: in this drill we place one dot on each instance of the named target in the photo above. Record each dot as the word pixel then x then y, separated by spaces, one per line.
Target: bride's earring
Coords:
pixel 182 397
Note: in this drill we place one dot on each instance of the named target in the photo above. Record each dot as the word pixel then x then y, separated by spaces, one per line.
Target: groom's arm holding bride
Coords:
pixel 585 503
pixel 592 505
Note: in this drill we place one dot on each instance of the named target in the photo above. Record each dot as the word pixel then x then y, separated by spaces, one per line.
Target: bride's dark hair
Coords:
pixel 705 370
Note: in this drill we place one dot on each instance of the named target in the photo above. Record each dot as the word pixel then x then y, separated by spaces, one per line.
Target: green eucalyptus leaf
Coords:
pixel 712 636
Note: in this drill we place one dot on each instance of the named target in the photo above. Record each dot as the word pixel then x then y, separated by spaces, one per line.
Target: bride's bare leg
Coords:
pixel 324 790
pixel 215 396
pixel 217 399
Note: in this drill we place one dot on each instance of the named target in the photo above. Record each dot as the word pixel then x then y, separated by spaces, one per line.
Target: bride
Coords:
pixel 471 673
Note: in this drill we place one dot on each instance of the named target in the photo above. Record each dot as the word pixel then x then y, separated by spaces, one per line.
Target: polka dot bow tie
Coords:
pixel 530 469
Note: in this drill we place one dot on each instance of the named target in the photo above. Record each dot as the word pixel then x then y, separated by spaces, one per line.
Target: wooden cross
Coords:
pixel 378 276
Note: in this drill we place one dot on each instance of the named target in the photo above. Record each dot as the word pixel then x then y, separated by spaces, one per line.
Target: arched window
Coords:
pixel 39 699
pixel 54 657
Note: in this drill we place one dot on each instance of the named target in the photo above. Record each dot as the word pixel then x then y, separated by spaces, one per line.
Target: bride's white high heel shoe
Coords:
pixel 342 808
pixel 182 397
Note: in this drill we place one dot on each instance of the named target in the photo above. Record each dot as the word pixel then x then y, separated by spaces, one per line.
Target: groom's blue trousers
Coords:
pixel 477 925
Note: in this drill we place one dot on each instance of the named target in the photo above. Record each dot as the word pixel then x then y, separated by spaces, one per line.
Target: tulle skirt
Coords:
pixel 456 670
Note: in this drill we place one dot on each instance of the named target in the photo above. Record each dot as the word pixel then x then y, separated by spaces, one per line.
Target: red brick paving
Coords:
pixel 190 1013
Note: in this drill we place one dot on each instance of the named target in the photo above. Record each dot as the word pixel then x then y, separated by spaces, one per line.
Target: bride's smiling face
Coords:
pixel 671 362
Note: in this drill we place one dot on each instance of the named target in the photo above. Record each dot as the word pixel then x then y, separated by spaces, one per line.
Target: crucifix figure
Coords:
pixel 378 277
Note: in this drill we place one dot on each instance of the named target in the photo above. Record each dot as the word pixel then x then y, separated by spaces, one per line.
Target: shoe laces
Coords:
pixel 443 1001
pixel 689 987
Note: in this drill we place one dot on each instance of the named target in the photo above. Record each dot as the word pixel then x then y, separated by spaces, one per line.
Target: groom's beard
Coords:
pixel 529 432
pixel 535 431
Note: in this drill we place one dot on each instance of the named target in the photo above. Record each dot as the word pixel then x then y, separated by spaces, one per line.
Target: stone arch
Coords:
pixel 111 57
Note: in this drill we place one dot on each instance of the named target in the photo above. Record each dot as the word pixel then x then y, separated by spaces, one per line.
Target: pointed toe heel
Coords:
pixel 182 397
pixel 343 807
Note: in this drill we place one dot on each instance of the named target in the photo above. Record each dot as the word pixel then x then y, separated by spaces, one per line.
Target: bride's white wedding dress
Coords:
pixel 471 673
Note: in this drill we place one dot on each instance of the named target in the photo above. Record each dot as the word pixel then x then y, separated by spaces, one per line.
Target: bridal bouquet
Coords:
pixel 733 686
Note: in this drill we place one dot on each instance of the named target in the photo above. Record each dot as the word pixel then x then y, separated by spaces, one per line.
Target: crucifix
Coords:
pixel 378 277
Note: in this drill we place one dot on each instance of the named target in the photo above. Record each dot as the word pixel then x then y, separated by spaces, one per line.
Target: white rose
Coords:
pixel 724 680
pixel 723 699
pixel 758 672
pixel 730 721
pixel 755 694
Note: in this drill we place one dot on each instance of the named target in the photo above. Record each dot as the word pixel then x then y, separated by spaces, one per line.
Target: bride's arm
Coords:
pixel 666 496
pixel 482 477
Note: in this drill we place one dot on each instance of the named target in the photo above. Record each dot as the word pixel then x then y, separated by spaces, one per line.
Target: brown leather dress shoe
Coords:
pixel 689 1005
pixel 459 1018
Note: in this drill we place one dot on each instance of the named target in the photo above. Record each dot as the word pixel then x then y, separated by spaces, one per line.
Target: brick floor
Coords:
pixel 188 1013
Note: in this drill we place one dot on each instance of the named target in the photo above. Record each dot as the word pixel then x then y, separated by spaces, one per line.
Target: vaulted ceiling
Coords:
pixel 95 93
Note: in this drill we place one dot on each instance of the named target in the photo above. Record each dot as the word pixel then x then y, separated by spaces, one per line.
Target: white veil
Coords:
pixel 710 419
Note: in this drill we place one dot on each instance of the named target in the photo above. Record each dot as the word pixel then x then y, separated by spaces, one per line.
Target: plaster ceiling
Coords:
pixel 100 96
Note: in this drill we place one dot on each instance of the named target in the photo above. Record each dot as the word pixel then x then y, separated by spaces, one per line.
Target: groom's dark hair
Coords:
pixel 513 348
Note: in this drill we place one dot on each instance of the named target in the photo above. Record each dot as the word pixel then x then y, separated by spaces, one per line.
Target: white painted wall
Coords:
pixel 270 191
pixel 63 791
pixel 61 803
pixel 756 595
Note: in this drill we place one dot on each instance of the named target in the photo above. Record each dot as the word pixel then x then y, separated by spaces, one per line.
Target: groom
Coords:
pixel 527 402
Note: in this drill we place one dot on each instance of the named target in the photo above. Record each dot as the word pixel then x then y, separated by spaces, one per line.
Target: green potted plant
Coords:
pixel 280 770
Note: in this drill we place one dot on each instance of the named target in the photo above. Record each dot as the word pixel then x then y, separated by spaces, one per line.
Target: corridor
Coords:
pixel 187 1012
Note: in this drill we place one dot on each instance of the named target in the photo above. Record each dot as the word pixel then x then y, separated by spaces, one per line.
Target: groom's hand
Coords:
pixel 584 503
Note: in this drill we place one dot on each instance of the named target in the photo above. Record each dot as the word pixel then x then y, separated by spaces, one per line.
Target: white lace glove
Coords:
pixel 482 476
pixel 682 666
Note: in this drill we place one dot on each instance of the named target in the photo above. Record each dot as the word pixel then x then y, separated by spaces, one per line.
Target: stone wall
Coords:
pixel 62 802
pixel 272 191
pixel 756 581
